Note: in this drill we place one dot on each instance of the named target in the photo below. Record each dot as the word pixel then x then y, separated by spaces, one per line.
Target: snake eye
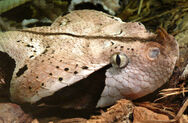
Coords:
pixel 119 60
pixel 153 53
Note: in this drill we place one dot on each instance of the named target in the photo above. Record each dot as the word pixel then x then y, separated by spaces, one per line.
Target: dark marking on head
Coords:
pixel 115 47
pixel 31 39
pixel 132 49
pixel 66 69
pixel 48 58
pixel 114 18
pixel 31 56
pixel 44 51
pixel 37 77
pixel 48 46
pixel 122 47
pixel 76 65
pixel 18 41
pixel 60 60
pixel 42 84
pixel 42 61
pixel 57 67
pixel 84 67
pixel 128 48
pixel 21 70
pixel 50 74
pixel 75 72
pixel 60 79
pixel 52 56
pixel 53 51
pixel 112 43
pixel 29 46
pixel 34 51
pixel 30 87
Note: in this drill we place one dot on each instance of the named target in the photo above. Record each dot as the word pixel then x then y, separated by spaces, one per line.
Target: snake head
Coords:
pixel 138 73
pixel 63 59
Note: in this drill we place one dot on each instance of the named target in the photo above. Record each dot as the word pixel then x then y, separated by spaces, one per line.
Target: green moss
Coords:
pixel 6 5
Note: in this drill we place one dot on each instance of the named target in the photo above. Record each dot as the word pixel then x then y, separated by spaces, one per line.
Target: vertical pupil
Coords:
pixel 118 60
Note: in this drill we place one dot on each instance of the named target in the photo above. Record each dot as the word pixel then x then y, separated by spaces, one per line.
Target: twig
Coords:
pixel 140 7
pixel 178 116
